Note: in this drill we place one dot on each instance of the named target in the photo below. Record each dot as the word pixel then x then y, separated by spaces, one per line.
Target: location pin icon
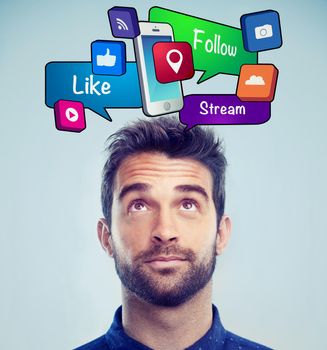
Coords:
pixel 175 66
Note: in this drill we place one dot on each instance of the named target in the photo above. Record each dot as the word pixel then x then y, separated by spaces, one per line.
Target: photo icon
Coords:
pixel 261 31
pixel 108 57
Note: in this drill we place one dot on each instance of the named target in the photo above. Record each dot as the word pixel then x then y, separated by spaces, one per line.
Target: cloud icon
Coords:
pixel 255 80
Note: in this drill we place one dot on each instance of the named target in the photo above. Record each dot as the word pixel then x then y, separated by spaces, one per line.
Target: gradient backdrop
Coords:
pixel 58 288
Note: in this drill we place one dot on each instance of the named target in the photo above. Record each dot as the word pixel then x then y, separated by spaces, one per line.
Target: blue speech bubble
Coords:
pixel 75 81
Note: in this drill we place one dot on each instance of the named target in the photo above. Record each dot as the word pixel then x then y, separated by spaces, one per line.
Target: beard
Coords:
pixel 168 286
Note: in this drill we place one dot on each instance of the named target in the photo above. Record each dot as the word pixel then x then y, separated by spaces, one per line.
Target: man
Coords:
pixel 163 197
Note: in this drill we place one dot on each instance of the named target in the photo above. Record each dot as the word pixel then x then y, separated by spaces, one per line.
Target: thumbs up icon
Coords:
pixel 108 57
pixel 106 60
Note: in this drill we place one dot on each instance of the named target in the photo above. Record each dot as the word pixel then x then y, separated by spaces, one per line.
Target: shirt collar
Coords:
pixel 117 339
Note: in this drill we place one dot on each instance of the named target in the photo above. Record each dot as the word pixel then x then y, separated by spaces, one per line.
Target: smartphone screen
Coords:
pixel 157 91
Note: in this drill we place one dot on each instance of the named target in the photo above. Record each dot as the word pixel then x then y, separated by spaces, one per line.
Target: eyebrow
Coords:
pixel 144 187
pixel 138 186
pixel 193 188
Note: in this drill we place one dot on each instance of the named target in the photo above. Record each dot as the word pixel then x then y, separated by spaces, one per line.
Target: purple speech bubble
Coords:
pixel 222 110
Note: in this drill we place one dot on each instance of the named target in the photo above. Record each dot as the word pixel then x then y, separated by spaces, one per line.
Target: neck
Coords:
pixel 149 324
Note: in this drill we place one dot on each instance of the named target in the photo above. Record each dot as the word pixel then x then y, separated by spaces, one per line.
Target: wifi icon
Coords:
pixel 121 24
pixel 124 22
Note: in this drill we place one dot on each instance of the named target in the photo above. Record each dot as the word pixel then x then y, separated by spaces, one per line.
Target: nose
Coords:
pixel 164 230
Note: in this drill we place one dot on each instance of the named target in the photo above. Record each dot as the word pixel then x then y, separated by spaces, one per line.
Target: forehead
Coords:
pixel 158 169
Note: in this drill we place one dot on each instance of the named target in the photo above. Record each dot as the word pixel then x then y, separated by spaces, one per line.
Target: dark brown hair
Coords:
pixel 164 135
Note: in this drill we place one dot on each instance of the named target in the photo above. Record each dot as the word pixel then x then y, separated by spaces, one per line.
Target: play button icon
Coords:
pixel 71 114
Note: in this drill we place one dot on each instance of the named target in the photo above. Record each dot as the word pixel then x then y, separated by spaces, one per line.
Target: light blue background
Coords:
pixel 58 288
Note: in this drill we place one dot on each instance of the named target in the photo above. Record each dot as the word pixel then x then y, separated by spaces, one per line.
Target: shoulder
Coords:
pixel 96 344
pixel 233 341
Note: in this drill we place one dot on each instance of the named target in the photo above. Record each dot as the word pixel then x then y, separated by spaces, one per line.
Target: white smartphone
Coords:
pixel 157 98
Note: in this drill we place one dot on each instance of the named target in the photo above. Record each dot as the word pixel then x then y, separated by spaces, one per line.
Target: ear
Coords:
pixel 105 236
pixel 223 234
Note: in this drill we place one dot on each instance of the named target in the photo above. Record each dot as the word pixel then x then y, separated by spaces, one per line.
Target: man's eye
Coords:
pixel 188 205
pixel 137 206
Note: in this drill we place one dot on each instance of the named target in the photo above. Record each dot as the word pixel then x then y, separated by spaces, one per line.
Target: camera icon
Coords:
pixel 263 32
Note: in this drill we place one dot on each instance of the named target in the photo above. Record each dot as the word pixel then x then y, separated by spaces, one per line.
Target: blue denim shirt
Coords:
pixel 217 338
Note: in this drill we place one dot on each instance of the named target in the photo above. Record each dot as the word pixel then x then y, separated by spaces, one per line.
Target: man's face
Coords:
pixel 164 227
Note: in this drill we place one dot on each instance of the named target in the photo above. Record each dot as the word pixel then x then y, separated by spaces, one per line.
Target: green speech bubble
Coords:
pixel 217 48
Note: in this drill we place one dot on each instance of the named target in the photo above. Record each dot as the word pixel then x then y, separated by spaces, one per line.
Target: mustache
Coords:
pixel 156 250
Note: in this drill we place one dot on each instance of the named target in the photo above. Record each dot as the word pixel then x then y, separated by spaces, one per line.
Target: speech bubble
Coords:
pixel 217 48
pixel 222 110
pixel 75 81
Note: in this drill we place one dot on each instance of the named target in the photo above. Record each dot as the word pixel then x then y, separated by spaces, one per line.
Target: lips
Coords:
pixel 165 258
